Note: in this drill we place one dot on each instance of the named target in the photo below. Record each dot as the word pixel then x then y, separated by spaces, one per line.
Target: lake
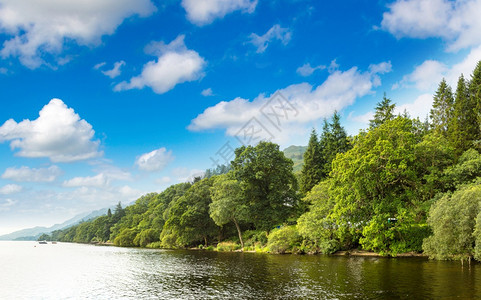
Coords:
pixel 74 271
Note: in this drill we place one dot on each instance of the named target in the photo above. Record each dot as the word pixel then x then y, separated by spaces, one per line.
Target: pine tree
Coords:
pixel 442 111
pixel 464 121
pixel 384 112
pixel 334 140
pixel 311 173
pixel 475 95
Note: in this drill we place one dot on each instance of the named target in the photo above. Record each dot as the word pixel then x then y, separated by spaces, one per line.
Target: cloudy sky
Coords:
pixel 105 100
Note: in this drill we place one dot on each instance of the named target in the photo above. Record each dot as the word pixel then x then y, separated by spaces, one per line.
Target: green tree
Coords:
pixel 453 219
pixel 315 226
pixel 227 203
pixel 384 112
pixel 333 140
pixel 311 172
pixel 442 110
pixel 464 128
pixel 475 94
pixel 268 184
pixel 188 217
pixel 377 177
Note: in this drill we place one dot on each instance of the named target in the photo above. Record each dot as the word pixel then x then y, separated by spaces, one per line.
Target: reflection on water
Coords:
pixel 63 271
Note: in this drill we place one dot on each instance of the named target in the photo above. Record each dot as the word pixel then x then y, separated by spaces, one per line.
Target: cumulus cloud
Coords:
pixel 58 133
pixel 5 206
pixel 10 189
pixel 311 103
pixel 155 160
pixel 420 108
pixel 26 174
pixel 115 71
pixel 307 70
pixel 276 32
pixel 40 28
pixel 99 180
pixel 175 64
pixel 425 77
pixel 202 12
pixel 457 22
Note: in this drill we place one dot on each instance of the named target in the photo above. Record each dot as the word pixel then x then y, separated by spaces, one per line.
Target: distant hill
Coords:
pixel 30 234
pixel 296 153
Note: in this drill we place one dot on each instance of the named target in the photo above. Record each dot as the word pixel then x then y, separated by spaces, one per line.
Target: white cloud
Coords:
pixel 187 175
pixel 425 77
pixel 457 22
pixel 26 174
pixel 207 92
pixel 58 133
pixel 275 33
pixel 175 64
pixel 202 12
pixel 307 70
pixel 99 65
pixel 163 180
pixel 10 189
pixel 38 28
pixel 419 108
pixel 115 71
pixel 155 160
pixel 338 91
pixel 99 180
pixel 5 206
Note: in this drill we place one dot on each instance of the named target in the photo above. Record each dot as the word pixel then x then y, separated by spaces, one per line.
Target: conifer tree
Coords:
pixel 442 111
pixel 475 95
pixel 333 140
pixel 464 121
pixel 384 112
pixel 311 173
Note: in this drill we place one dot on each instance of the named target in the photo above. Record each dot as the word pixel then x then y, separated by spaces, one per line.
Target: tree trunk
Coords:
pixel 240 234
pixel 205 240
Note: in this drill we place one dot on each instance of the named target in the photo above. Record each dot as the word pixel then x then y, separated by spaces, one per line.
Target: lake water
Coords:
pixel 72 271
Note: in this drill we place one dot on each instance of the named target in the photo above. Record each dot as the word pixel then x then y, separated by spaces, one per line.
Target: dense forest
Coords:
pixel 401 185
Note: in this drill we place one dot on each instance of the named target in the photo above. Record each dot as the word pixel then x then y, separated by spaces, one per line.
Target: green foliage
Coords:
pixel 126 238
pixel 268 184
pixel 384 112
pixel 453 219
pixel 315 226
pixel 44 237
pixel 228 246
pixel 283 240
pixel 228 204
pixel 188 216
pixel 146 237
pixel 466 170
pixel 311 172
pixel 333 140
pixel 464 127
pixel 442 110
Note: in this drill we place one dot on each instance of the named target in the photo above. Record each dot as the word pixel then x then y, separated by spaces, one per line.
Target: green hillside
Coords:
pixel 296 153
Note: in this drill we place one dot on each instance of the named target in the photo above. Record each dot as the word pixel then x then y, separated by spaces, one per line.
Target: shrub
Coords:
pixel 283 240
pixel 228 246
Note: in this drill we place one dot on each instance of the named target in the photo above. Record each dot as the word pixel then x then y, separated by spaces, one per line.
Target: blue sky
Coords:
pixel 103 101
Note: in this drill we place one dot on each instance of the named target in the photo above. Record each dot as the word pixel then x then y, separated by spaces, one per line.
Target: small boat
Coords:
pixel 42 242
pixel 54 243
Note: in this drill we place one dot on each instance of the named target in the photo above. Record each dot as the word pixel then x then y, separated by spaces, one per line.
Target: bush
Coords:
pixel 228 246
pixel 146 237
pixel 125 238
pixel 154 245
pixel 284 240
pixel 453 220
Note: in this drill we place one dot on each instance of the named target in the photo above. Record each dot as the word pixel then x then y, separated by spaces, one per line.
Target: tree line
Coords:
pixel 400 185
